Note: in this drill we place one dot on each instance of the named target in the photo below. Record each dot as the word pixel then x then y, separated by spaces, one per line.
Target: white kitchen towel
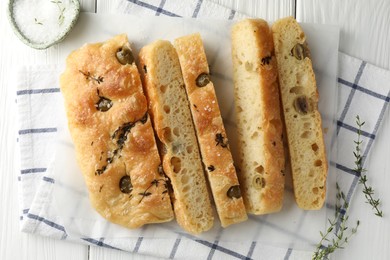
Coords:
pixel 38 96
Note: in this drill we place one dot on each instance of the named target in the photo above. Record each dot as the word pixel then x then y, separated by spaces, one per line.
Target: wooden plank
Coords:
pixel 365 26
pixel 105 7
pixel 88 6
pixel 13 243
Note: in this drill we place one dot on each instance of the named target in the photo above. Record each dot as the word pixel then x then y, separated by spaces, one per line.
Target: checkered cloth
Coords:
pixel 358 94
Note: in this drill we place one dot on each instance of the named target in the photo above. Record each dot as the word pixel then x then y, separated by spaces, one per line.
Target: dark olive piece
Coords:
pixel 220 140
pixel 301 105
pixel 266 60
pixel 121 134
pixel 234 192
pixel 104 104
pixel 298 51
pixel 125 184
pixel 125 55
pixel 202 80
pixel 211 168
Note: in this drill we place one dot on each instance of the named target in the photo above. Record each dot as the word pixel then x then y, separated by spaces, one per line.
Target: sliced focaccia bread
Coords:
pixel 171 115
pixel 212 138
pixel 113 135
pixel 300 107
pixel 259 124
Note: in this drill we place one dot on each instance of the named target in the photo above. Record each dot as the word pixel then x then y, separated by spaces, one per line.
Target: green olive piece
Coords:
pixel 104 104
pixel 234 192
pixel 301 105
pixel 298 51
pixel 202 80
pixel 125 55
pixel 125 184
pixel 258 182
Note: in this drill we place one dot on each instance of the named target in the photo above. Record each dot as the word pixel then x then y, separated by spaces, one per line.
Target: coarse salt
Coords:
pixel 42 21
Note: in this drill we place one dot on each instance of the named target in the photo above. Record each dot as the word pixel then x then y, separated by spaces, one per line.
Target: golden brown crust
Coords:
pixel 115 143
pixel 303 121
pixel 212 138
pixel 259 123
pixel 169 108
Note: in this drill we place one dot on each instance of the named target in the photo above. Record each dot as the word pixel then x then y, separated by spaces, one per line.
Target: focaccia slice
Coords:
pixel 299 94
pixel 212 138
pixel 261 158
pixel 171 115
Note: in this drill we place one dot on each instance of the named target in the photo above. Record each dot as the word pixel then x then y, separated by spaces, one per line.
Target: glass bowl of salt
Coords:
pixel 42 23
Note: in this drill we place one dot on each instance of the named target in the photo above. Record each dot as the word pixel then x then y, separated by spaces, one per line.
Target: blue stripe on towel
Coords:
pixel 33 170
pixel 251 249
pixel 49 223
pixel 354 129
pixel 232 14
pixel 364 90
pixel 216 247
pixel 175 247
pixel 37 130
pixel 138 244
pixel 47 179
pixel 99 243
pixel 197 8
pixel 351 94
pixel 37 91
pixel 346 169
pixel 160 7
pixel 154 8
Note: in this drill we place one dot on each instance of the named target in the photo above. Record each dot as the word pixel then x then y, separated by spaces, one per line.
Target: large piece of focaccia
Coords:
pixel 113 135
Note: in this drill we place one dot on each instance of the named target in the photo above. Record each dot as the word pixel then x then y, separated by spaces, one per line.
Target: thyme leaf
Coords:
pixel 88 75
pixel 61 10
pixel 368 191
pixel 37 21
pixel 147 193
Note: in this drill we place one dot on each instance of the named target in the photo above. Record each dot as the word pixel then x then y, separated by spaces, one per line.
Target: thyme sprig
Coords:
pixel 338 233
pixel 155 183
pixel 61 9
pixel 367 190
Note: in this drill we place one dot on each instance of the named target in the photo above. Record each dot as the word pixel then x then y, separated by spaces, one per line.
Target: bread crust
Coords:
pixel 169 108
pixel 115 143
pixel 302 118
pixel 212 138
pixel 261 159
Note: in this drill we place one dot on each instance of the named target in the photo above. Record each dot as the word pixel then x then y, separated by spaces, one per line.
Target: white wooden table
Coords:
pixel 365 34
